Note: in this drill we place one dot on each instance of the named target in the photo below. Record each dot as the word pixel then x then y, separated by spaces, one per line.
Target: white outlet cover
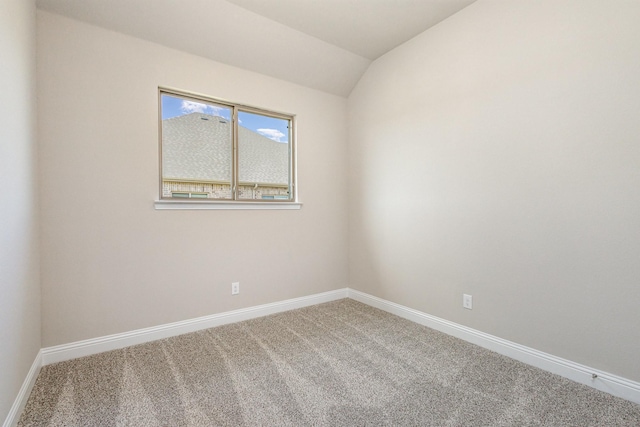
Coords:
pixel 467 301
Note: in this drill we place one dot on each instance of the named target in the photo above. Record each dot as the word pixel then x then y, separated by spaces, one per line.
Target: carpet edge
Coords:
pixel 92 346
pixel 23 394
pixel 603 381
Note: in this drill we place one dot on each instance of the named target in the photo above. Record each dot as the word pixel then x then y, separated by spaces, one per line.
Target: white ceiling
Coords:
pixel 369 28
pixel 322 44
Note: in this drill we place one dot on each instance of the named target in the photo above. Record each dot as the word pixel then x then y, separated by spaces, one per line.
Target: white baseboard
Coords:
pixel 113 342
pixel 23 395
pixel 582 374
pixel 603 381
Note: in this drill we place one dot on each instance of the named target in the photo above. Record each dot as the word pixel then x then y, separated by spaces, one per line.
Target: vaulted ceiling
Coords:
pixel 322 44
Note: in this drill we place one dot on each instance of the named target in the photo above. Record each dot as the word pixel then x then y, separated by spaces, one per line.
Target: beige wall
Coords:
pixel 498 154
pixel 110 262
pixel 19 274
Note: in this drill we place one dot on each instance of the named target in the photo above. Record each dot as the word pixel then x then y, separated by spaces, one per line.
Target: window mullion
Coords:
pixel 234 168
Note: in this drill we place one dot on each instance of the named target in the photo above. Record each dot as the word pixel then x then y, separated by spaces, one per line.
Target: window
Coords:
pixel 219 151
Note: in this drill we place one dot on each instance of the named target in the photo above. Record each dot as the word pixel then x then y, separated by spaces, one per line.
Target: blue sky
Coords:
pixel 273 128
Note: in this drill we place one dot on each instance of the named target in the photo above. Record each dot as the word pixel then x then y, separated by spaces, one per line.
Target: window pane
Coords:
pixel 196 148
pixel 263 157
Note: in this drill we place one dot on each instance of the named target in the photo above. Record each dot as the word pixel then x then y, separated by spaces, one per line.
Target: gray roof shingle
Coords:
pixel 197 147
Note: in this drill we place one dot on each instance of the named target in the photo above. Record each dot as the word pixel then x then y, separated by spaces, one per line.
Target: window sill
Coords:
pixel 200 205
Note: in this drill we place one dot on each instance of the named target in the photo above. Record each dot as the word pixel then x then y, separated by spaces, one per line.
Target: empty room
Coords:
pixel 320 212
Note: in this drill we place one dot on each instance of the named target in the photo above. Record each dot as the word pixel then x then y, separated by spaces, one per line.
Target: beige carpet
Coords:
pixel 336 364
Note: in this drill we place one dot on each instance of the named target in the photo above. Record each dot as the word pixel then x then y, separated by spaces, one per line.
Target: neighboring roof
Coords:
pixel 197 147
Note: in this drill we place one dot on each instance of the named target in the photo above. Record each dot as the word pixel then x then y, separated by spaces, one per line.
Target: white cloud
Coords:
pixel 274 134
pixel 193 107
pixel 198 107
pixel 218 111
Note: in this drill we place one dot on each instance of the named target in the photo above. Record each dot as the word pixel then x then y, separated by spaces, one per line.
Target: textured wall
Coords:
pixel 497 154
pixel 111 263
pixel 19 270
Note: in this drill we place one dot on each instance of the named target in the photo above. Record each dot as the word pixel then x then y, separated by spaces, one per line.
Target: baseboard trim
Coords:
pixel 23 395
pixel 604 381
pixel 88 347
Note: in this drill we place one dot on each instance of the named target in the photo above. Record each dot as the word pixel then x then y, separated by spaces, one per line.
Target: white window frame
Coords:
pixel 292 202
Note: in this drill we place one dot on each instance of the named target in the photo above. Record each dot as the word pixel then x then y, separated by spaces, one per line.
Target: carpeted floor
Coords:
pixel 337 364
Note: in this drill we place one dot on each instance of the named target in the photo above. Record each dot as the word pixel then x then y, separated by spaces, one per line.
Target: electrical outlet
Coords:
pixel 467 301
pixel 235 288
